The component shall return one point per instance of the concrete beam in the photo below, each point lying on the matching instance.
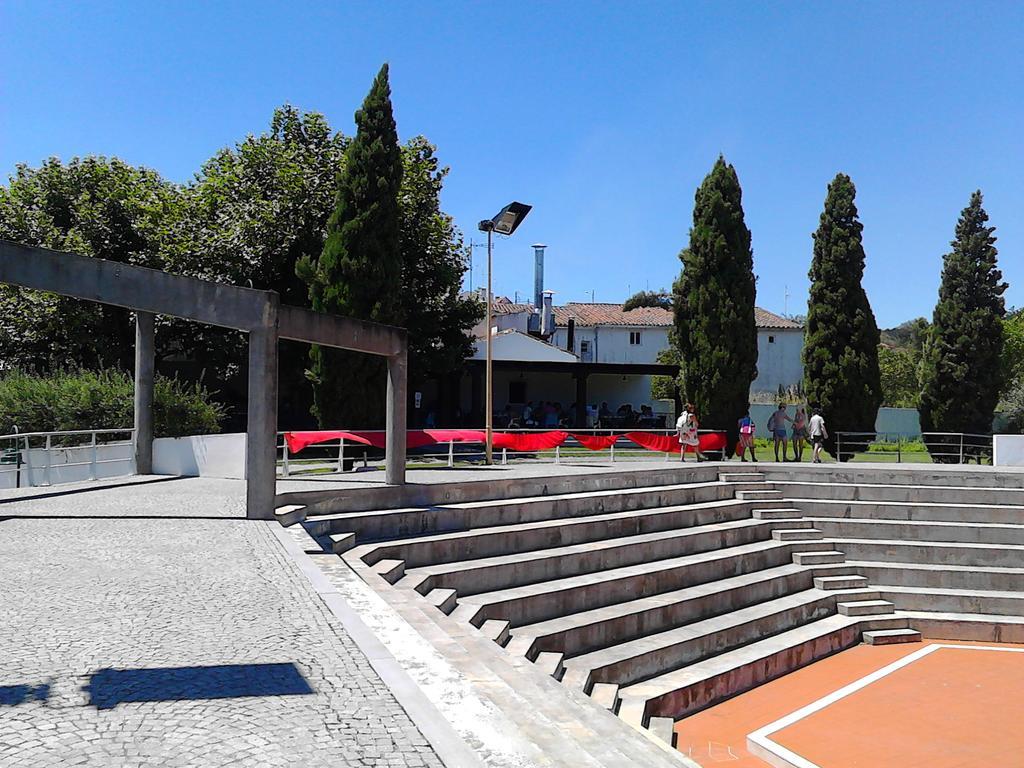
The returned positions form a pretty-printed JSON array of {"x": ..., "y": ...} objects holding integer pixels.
[
  {"x": 145, "y": 358},
  {"x": 335, "y": 331}
]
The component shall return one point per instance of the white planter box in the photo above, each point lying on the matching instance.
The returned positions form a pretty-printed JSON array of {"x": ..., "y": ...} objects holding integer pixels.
[{"x": 201, "y": 456}]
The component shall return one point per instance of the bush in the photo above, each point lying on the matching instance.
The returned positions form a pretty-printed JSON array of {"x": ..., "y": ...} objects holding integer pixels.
[{"x": 70, "y": 400}]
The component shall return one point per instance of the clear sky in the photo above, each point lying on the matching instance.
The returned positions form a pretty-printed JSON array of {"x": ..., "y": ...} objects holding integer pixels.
[{"x": 604, "y": 116}]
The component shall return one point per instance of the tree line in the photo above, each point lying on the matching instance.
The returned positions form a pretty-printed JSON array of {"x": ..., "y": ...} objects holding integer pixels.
[
  {"x": 961, "y": 365},
  {"x": 349, "y": 225}
]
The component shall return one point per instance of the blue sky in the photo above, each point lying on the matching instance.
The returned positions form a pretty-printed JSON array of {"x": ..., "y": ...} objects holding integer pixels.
[{"x": 604, "y": 116}]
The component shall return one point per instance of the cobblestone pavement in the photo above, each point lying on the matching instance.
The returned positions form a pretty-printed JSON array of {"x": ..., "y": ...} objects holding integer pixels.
[{"x": 167, "y": 642}]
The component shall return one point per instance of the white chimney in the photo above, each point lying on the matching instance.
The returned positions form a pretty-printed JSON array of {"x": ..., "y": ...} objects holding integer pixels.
[
  {"x": 547, "y": 315},
  {"x": 538, "y": 274}
]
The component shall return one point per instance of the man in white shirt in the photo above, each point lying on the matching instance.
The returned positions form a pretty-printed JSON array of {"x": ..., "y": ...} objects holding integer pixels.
[{"x": 816, "y": 427}]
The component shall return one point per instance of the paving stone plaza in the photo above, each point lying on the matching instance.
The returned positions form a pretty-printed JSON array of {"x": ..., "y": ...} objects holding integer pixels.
[{"x": 149, "y": 625}]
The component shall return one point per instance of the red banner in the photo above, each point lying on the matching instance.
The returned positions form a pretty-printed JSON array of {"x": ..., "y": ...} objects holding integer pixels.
[{"x": 526, "y": 442}]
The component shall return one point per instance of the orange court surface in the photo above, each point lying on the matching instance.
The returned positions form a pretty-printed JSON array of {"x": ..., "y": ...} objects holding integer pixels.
[{"x": 936, "y": 704}]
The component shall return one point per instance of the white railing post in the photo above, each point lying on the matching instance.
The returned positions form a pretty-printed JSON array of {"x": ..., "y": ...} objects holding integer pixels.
[
  {"x": 286, "y": 469},
  {"x": 558, "y": 455},
  {"x": 341, "y": 454},
  {"x": 451, "y": 453},
  {"x": 611, "y": 450},
  {"x": 49, "y": 462},
  {"x": 961, "y": 447},
  {"x": 92, "y": 460},
  {"x": 28, "y": 464},
  {"x": 504, "y": 455}
]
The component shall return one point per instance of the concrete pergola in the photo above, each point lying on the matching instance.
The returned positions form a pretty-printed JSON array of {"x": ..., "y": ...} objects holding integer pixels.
[{"x": 150, "y": 292}]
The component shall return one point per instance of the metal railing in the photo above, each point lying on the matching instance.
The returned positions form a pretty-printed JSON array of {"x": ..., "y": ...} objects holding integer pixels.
[
  {"x": 337, "y": 454},
  {"x": 937, "y": 447},
  {"x": 29, "y": 459}
]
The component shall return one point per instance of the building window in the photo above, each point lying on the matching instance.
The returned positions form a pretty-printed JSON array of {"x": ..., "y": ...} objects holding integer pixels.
[
  {"x": 634, "y": 337},
  {"x": 771, "y": 339},
  {"x": 585, "y": 351}
]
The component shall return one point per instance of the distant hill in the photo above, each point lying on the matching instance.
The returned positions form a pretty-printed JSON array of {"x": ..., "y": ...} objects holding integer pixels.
[{"x": 908, "y": 335}]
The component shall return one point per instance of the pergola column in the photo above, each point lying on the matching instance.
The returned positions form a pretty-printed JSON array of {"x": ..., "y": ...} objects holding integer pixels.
[
  {"x": 145, "y": 359},
  {"x": 581, "y": 400},
  {"x": 397, "y": 405},
  {"x": 261, "y": 428}
]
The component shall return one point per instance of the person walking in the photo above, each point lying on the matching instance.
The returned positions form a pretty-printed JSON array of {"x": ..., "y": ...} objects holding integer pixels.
[
  {"x": 686, "y": 429},
  {"x": 777, "y": 428},
  {"x": 747, "y": 430},
  {"x": 819, "y": 434},
  {"x": 799, "y": 432}
]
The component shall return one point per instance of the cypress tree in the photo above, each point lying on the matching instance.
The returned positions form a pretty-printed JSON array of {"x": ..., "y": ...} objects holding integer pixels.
[
  {"x": 841, "y": 344},
  {"x": 961, "y": 371},
  {"x": 359, "y": 270},
  {"x": 713, "y": 304}
]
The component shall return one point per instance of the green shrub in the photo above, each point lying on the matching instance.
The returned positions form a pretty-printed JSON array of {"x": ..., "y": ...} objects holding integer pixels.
[{"x": 70, "y": 400}]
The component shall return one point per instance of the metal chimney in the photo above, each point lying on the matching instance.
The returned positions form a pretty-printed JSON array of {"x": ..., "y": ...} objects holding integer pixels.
[{"x": 538, "y": 275}]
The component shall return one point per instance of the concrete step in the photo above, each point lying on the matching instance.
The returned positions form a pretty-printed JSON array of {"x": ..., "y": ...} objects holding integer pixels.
[
  {"x": 840, "y": 582},
  {"x": 587, "y": 631},
  {"x": 534, "y": 603},
  {"x": 504, "y": 571},
  {"x": 383, "y": 524},
  {"x": 663, "y": 728},
  {"x": 778, "y": 514},
  {"x": 631, "y": 662},
  {"x": 942, "y": 576},
  {"x": 444, "y": 600},
  {"x": 759, "y": 495},
  {"x": 493, "y": 541},
  {"x": 902, "y": 493},
  {"x": 865, "y": 608},
  {"x": 689, "y": 689},
  {"x": 741, "y": 477},
  {"x": 607, "y": 695},
  {"x": 390, "y": 570},
  {"x": 797, "y": 534},
  {"x": 931, "y": 530},
  {"x": 818, "y": 558},
  {"x": 551, "y": 664},
  {"x": 976, "y": 627},
  {"x": 947, "y": 553},
  {"x": 891, "y": 636},
  {"x": 954, "y": 600},
  {"x": 496, "y": 630},
  {"x": 290, "y": 514},
  {"x": 342, "y": 542},
  {"x": 920, "y": 475},
  {"x": 938, "y": 511}
]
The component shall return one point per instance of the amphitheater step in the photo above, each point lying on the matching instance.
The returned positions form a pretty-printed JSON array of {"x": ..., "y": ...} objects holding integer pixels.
[
  {"x": 495, "y": 541},
  {"x": 901, "y": 493},
  {"x": 954, "y": 600},
  {"x": 663, "y": 728},
  {"x": 504, "y": 571},
  {"x": 636, "y": 660},
  {"x": 551, "y": 664},
  {"x": 390, "y": 570},
  {"x": 496, "y": 630},
  {"x": 891, "y": 636},
  {"x": 920, "y": 530},
  {"x": 542, "y": 601},
  {"x": 797, "y": 534},
  {"x": 865, "y": 608},
  {"x": 818, "y": 558},
  {"x": 341, "y": 542},
  {"x": 741, "y": 477},
  {"x": 840, "y": 582},
  {"x": 942, "y": 510},
  {"x": 778, "y": 514},
  {"x": 607, "y": 695},
  {"x": 952, "y": 553},
  {"x": 586, "y": 631},
  {"x": 978, "y": 627},
  {"x": 443, "y": 599},
  {"x": 694, "y": 687},
  {"x": 768, "y": 495},
  {"x": 290, "y": 514},
  {"x": 941, "y": 575}
]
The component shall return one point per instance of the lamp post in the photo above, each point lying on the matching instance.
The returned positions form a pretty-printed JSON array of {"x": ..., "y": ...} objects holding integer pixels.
[{"x": 505, "y": 223}]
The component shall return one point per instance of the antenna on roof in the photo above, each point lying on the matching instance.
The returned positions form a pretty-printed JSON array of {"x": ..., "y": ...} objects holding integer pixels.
[
  {"x": 591, "y": 295},
  {"x": 785, "y": 301}
]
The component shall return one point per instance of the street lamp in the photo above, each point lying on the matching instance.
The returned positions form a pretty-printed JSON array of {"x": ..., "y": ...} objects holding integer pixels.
[{"x": 505, "y": 223}]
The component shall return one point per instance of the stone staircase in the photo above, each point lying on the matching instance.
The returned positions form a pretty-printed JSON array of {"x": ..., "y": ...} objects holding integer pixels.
[{"x": 655, "y": 598}]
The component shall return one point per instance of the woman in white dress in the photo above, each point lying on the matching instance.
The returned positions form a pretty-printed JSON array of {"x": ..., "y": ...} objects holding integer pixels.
[{"x": 686, "y": 429}]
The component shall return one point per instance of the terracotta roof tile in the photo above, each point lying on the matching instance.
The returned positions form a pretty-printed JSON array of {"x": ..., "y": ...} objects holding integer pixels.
[{"x": 587, "y": 314}]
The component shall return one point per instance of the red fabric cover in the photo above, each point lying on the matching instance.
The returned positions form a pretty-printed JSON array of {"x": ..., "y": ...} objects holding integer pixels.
[{"x": 525, "y": 441}]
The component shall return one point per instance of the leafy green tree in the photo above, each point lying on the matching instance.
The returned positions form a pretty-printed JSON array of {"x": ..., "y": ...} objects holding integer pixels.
[
  {"x": 434, "y": 261},
  {"x": 713, "y": 300},
  {"x": 962, "y": 366},
  {"x": 901, "y": 387},
  {"x": 93, "y": 206},
  {"x": 668, "y": 387},
  {"x": 359, "y": 271},
  {"x": 840, "y": 355},
  {"x": 1013, "y": 349},
  {"x": 647, "y": 299}
]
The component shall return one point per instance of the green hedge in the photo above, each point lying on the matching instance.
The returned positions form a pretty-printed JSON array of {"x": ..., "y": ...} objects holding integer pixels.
[{"x": 101, "y": 400}]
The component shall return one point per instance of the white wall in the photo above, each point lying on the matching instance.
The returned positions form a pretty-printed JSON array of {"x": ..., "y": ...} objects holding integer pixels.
[
  {"x": 200, "y": 456},
  {"x": 610, "y": 343},
  {"x": 778, "y": 359},
  {"x": 70, "y": 465}
]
